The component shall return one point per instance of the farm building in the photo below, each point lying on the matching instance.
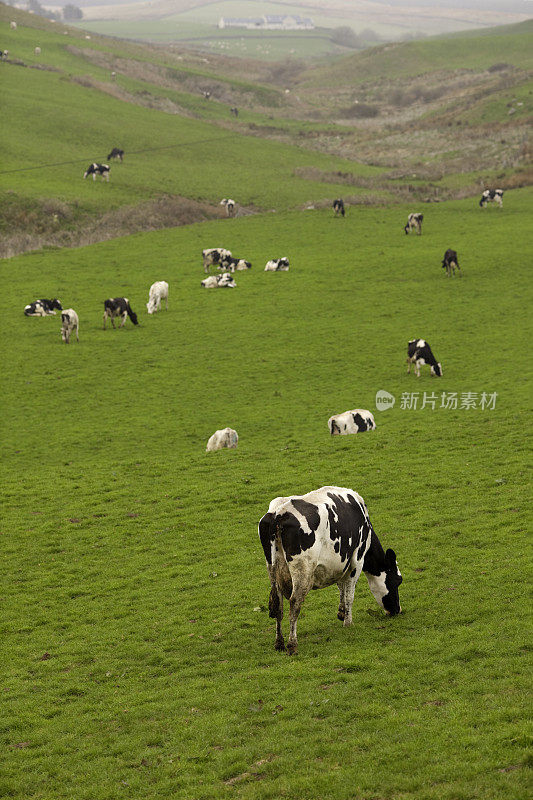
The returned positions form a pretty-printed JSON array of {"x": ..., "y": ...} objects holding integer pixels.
[{"x": 269, "y": 22}]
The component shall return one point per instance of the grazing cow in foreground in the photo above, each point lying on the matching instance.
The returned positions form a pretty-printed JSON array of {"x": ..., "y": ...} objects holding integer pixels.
[
  {"x": 116, "y": 152},
  {"x": 234, "y": 264},
  {"x": 226, "y": 437},
  {"x": 356, "y": 421},
  {"x": 98, "y": 169},
  {"x": 338, "y": 207},
  {"x": 224, "y": 281},
  {"x": 158, "y": 292},
  {"x": 69, "y": 323},
  {"x": 229, "y": 205},
  {"x": 214, "y": 255},
  {"x": 491, "y": 196},
  {"x": 418, "y": 353},
  {"x": 43, "y": 308},
  {"x": 450, "y": 263},
  {"x": 414, "y": 223},
  {"x": 317, "y": 539},
  {"x": 118, "y": 307},
  {"x": 277, "y": 265}
]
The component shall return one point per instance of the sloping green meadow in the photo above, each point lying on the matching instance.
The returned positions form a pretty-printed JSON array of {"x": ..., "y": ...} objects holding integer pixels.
[{"x": 139, "y": 658}]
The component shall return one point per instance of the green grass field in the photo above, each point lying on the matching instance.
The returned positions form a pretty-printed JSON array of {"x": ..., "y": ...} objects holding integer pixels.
[{"x": 138, "y": 652}]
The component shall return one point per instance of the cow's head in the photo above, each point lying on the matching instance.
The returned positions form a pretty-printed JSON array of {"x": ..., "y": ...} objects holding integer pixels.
[
  {"x": 437, "y": 370},
  {"x": 133, "y": 317},
  {"x": 56, "y": 304},
  {"x": 393, "y": 578}
]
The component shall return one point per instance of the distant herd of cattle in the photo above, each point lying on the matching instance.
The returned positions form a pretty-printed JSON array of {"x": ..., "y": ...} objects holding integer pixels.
[{"x": 325, "y": 536}]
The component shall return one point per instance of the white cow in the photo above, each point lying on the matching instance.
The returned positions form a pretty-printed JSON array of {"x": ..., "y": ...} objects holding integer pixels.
[
  {"x": 69, "y": 323},
  {"x": 355, "y": 421},
  {"x": 224, "y": 281},
  {"x": 158, "y": 292},
  {"x": 226, "y": 437}
]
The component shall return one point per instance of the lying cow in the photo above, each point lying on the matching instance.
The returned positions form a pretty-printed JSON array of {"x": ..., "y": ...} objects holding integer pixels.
[
  {"x": 234, "y": 264},
  {"x": 450, "y": 263},
  {"x": 491, "y": 196},
  {"x": 69, "y": 323},
  {"x": 356, "y": 421},
  {"x": 224, "y": 281},
  {"x": 418, "y": 353},
  {"x": 277, "y": 265},
  {"x": 414, "y": 223},
  {"x": 98, "y": 169},
  {"x": 214, "y": 255},
  {"x": 338, "y": 207},
  {"x": 158, "y": 292},
  {"x": 116, "y": 152},
  {"x": 317, "y": 539},
  {"x": 118, "y": 307},
  {"x": 43, "y": 308},
  {"x": 230, "y": 207},
  {"x": 226, "y": 437}
]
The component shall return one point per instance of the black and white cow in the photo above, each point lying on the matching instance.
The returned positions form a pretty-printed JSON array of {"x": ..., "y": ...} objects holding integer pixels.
[
  {"x": 158, "y": 291},
  {"x": 206, "y": 95},
  {"x": 277, "y": 265},
  {"x": 317, "y": 539},
  {"x": 214, "y": 255},
  {"x": 118, "y": 307},
  {"x": 491, "y": 196},
  {"x": 418, "y": 353},
  {"x": 450, "y": 263},
  {"x": 116, "y": 152},
  {"x": 338, "y": 206},
  {"x": 98, "y": 169},
  {"x": 414, "y": 223},
  {"x": 69, "y": 323},
  {"x": 229, "y": 206},
  {"x": 43, "y": 308},
  {"x": 356, "y": 421},
  {"x": 224, "y": 281},
  {"x": 4, "y": 55},
  {"x": 234, "y": 264},
  {"x": 235, "y": 111}
]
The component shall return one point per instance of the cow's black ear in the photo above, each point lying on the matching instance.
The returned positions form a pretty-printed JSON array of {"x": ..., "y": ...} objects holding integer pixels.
[{"x": 390, "y": 560}]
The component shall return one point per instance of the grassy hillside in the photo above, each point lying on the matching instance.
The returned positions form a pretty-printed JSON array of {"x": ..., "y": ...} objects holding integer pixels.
[
  {"x": 140, "y": 653},
  {"x": 422, "y": 132}
]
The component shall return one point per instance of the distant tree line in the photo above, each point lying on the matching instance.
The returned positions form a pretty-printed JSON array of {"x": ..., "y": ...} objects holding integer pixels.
[{"x": 71, "y": 13}]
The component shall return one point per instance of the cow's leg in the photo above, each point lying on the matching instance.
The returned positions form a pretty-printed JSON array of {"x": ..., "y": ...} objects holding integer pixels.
[
  {"x": 105, "y": 318},
  {"x": 124, "y": 315},
  {"x": 349, "y": 592},
  {"x": 77, "y": 335},
  {"x": 341, "y": 613},
  {"x": 275, "y": 609},
  {"x": 409, "y": 362},
  {"x": 301, "y": 585},
  {"x": 166, "y": 303},
  {"x": 94, "y": 176},
  {"x": 417, "y": 369}
]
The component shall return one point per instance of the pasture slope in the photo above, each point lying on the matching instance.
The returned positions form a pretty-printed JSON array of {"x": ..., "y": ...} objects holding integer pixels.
[{"x": 139, "y": 658}]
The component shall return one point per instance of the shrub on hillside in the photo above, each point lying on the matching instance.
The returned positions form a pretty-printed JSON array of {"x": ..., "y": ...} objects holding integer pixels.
[{"x": 359, "y": 111}]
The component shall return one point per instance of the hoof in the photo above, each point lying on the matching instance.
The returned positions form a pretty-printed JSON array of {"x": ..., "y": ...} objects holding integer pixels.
[
  {"x": 292, "y": 649},
  {"x": 280, "y": 644},
  {"x": 340, "y": 615}
]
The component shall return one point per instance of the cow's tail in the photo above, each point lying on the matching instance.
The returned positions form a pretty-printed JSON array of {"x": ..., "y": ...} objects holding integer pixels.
[{"x": 280, "y": 570}]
